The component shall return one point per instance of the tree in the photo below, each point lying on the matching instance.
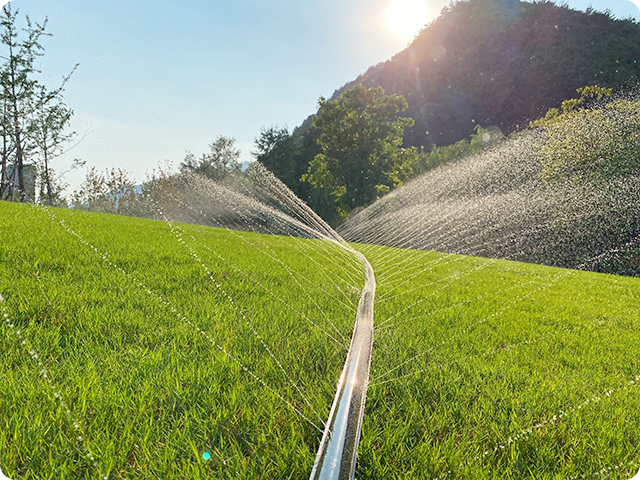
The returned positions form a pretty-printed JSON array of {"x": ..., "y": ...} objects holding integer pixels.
[
  {"x": 361, "y": 155},
  {"x": 33, "y": 118},
  {"x": 275, "y": 149},
  {"x": 221, "y": 160},
  {"x": 50, "y": 120},
  {"x": 19, "y": 87},
  {"x": 483, "y": 138},
  {"x": 110, "y": 192},
  {"x": 283, "y": 154}
]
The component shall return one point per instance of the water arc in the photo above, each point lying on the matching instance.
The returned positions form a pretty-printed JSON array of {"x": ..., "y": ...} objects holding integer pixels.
[
  {"x": 337, "y": 454},
  {"x": 277, "y": 210}
]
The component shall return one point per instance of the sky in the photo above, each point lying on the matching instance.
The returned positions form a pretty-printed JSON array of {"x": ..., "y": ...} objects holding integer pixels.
[{"x": 157, "y": 78}]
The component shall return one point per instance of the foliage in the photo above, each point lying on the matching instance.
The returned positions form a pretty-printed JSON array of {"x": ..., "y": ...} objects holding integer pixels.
[
  {"x": 51, "y": 187},
  {"x": 495, "y": 63},
  {"x": 587, "y": 94},
  {"x": 111, "y": 191},
  {"x": 279, "y": 151},
  {"x": 114, "y": 191},
  {"x": 161, "y": 185},
  {"x": 361, "y": 155},
  {"x": 216, "y": 164},
  {"x": 49, "y": 138},
  {"x": 479, "y": 141},
  {"x": 593, "y": 141},
  {"x": 11, "y": 191},
  {"x": 18, "y": 89},
  {"x": 288, "y": 155}
]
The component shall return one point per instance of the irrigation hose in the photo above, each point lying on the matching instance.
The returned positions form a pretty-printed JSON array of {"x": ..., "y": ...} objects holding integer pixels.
[{"x": 338, "y": 451}]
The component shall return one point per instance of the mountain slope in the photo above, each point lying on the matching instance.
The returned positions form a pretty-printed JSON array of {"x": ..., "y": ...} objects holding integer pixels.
[{"x": 502, "y": 63}]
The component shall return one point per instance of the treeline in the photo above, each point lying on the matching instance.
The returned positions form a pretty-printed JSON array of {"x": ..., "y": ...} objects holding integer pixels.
[
  {"x": 362, "y": 144},
  {"x": 564, "y": 192},
  {"x": 115, "y": 191},
  {"x": 495, "y": 63},
  {"x": 352, "y": 154}
]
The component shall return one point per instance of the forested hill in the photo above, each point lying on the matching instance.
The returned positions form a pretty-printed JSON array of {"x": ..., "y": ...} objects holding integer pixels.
[{"x": 502, "y": 63}]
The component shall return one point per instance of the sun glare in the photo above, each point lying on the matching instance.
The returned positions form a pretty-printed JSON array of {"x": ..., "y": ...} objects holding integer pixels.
[{"x": 405, "y": 18}]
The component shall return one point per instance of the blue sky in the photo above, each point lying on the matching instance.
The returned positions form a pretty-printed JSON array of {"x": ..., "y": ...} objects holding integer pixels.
[{"x": 157, "y": 78}]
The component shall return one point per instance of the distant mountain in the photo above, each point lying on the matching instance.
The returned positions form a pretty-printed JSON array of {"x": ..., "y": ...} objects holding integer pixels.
[{"x": 502, "y": 63}]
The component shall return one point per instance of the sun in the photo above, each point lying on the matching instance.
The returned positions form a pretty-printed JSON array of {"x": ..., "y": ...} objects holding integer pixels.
[{"x": 405, "y": 18}]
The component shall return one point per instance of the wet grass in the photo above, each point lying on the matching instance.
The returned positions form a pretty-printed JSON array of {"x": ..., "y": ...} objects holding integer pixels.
[
  {"x": 138, "y": 367},
  {"x": 496, "y": 369},
  {"x": 150, "y": 385}
]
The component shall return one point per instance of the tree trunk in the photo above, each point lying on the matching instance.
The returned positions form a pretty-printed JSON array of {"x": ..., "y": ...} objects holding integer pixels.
[
  {"x": 46, "y": 170},
  {"x": 13, "y": 184},
  {"x": 4, "y": 181},
  {"x": 16, "y": 126},
  {"x": 20, "y": 169}
]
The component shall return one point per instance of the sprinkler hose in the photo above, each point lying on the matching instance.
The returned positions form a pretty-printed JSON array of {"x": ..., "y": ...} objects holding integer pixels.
[{"x": 338, "y": 451}]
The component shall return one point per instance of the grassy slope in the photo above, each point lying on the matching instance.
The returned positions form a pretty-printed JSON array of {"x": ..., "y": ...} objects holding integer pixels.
[
  {"x": 503, "y": 349},
  {"x": 151, "y": 394}
]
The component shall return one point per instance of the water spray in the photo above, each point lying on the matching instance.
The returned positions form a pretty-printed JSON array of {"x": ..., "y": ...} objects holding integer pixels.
[{"x": 337, "y": 453}]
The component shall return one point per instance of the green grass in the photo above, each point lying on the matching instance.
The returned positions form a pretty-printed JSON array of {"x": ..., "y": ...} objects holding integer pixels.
[
  {"x": 539, "y": 342},
  {"x": 493, "y": 350}
]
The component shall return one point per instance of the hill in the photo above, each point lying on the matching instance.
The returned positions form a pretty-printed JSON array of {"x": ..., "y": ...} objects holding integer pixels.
[
  {"x": 134, "y": 348},
  {"x": 502, "y": 63}
]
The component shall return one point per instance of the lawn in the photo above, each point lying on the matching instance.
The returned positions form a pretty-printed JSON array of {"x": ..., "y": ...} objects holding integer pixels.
[
  {"x": 492, "y": 369},
  {"x": 135, "y": 348}
]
